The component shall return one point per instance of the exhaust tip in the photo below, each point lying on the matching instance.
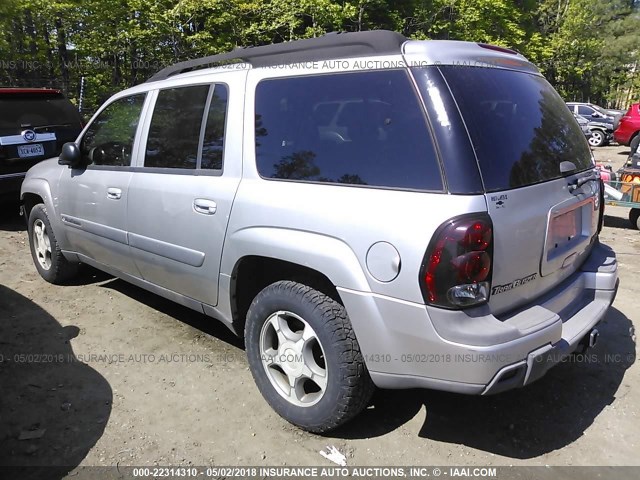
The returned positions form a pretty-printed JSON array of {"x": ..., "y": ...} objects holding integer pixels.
[{"x": 593, "y": 337}]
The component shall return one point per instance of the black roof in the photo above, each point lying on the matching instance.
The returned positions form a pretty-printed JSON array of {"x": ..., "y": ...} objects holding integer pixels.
[{"x": 327, "y": 47}]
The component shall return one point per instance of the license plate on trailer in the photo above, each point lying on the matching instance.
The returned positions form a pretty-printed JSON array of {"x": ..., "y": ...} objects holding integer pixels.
[{"x": 33, "y": 150}]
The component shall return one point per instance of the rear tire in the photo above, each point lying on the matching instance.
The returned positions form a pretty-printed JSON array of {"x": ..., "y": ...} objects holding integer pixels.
[
  {"x": 305, "y": 358},
  {"x": 634, "y": 218},
  {"x": 634, "y": 144},
  {"x": 45, "y": 251}
]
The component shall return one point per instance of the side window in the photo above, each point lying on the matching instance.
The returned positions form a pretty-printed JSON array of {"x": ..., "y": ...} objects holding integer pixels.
[
  {"x": 213, "y": 144},
  {"x": 585, "y": 111},
  {"x": 109, "y": 138},
  {"x": 174, "y": 133},
  {"x": 364, "y": 128}
]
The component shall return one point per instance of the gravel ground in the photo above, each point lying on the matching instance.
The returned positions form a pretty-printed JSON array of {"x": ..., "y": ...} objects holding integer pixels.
[{"x": 103, "y": 373}]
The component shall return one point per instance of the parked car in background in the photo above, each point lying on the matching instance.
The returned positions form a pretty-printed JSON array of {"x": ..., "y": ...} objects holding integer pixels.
[
  {"x": 350, "y": 222},
  {"x": 628, "y": 132},
  {"x": 34, "y": 124},
  {"x": 584, "y": 125},
  {"x": 617, "y": 115},
  {"x": 601, "y": 123}
]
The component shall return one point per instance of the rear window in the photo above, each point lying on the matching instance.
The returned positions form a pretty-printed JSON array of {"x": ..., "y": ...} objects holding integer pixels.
[
  {"x": 35, "y": 110},
  {"x": 363, "y": 128},
  {"x": 520, "y": 127}
]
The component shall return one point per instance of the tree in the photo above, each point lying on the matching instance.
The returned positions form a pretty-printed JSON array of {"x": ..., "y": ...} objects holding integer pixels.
[{"x": 589, "y": 50}]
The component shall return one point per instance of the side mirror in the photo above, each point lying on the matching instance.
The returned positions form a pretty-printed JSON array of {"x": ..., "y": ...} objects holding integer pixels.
[{"x": 70, "y": 155}]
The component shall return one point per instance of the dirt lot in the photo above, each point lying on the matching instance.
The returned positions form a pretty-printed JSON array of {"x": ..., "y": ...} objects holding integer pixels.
[{"x": 155, "y": 383}]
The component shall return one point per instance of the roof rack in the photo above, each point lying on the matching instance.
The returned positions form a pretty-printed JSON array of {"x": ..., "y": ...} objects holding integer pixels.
[{"x": 329, "y": 46}]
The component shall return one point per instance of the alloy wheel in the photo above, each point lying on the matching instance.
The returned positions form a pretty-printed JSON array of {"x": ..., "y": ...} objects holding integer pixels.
[
  {"x": 42, "y": 244},
  {"x": 293, "y": 358}
]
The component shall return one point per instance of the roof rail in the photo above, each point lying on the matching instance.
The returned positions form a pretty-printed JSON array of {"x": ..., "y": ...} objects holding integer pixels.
[{"x": 329, "y": 46}]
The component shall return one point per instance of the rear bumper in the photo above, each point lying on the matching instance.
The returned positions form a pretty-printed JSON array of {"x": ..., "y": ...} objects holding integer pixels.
[
  {"x": 623, "y": 133},
  {"x": 407, "y": 345}
]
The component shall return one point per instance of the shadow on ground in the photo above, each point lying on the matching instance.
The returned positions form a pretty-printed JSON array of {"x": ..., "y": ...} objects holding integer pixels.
[
  {"x": 185, "y": 315},
  {"x": 525, "y": 423},
  {"x": 53, "y": 409},
  {"x": 617, "y": 222},
  {"x": 10, "y": 219},
  {"x": 87, "y": 276}
]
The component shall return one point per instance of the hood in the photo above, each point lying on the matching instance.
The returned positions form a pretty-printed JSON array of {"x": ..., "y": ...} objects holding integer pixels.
[
  {"x": 602, "y": 123},
  {"x": 43, "y": 169}
]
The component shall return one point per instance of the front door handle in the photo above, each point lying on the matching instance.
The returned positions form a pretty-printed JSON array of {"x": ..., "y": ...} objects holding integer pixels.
[
  {"x": 114, "y": 193},
  {"x": 204, "y": 206}
]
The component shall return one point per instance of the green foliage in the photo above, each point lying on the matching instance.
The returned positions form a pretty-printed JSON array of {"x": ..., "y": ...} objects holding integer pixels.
[
  {"x": 595, "y": 49},
  {"x": 590, "y": 50}
]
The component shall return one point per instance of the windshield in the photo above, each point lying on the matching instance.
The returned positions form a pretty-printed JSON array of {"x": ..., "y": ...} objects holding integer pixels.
[
  {"x": 520, "y": 128},
  {"x": 36, "y": 110},
  {"x": 601, "y": 110}
]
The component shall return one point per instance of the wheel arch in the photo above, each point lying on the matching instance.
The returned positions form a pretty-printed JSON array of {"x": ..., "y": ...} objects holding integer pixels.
[
  {"x": 262, "y": 256},
  {"x": 34, "y": 191},
  {"x": 38, "y": 190},
  {"x": 29, "y": 200}
]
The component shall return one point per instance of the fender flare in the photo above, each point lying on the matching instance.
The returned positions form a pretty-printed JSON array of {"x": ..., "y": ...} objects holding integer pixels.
[
  {"x": 328, "y": 255},
  {"x": 40, "y": 186}
]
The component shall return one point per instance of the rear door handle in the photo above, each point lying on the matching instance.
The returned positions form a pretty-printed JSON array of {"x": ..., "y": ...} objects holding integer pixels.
[
  {"x": 204, "y": 206},
  {"x": 114, "y": 193}
]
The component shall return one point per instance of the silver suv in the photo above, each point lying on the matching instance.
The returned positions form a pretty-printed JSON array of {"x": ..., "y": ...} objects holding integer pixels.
[{"x": 364, "y": 209}]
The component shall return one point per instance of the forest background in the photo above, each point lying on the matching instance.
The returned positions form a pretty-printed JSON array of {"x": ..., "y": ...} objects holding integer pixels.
[{"x": 588, "y": 49}]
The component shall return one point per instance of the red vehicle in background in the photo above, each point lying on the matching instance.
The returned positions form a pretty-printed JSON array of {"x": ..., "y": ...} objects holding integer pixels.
[{"x": 628, "y": 131}]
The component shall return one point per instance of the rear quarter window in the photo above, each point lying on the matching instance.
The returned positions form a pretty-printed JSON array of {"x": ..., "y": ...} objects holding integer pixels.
[
  {"x": 363, "y": 128},
  {"x": 520, "y": 128}
]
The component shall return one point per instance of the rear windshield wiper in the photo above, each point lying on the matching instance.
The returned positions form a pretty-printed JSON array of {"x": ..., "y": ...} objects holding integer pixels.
[
  {"x": 594, "y": 177},
  {"x": 41, "y": 127}
]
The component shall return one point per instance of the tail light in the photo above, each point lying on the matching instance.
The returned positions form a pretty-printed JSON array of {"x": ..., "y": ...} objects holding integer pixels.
[{"x": 456, "y": 270}]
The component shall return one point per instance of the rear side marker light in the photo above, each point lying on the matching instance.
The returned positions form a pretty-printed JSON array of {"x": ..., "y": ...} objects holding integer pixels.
[{"x": 456, "y": 270}]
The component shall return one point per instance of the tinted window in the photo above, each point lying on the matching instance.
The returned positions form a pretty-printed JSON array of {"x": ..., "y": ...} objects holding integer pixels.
[
  {"x": 364, "y": 128},
  {"x": 582, "y": 110},
  {"x": 174, "y": 133},
  {"x": 213, "y": 145},
  {"x": 33, "y": 110},
  {"x": 109, "y": 138},
  {"x": 520, "y": 127}
]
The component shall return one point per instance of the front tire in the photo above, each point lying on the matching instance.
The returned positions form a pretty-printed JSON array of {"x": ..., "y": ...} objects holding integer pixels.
[
  {"x": 45, "y": 251},
  {"x": 305, "y": 358},
  {"x": 597, "y": 139}
]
